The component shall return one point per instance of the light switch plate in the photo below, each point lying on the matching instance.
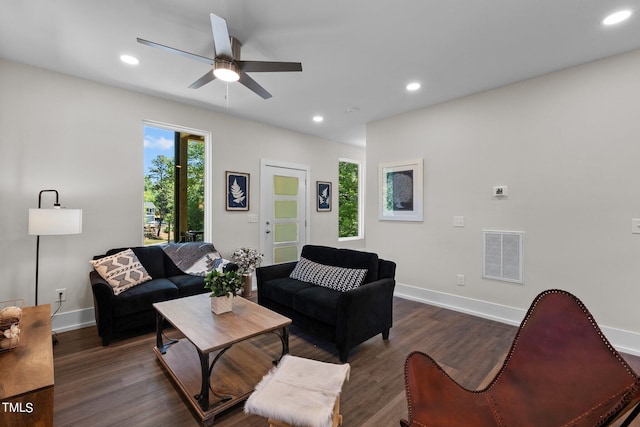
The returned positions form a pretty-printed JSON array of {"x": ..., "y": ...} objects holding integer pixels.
[
  {"x": 253, "y": 218},
  {"x": 458, "y": 221},
  {"x": 635, "y": 226}
]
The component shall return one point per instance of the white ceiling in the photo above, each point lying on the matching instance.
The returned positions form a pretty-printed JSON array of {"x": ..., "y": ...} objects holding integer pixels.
[{"x": 354, "y": 53}]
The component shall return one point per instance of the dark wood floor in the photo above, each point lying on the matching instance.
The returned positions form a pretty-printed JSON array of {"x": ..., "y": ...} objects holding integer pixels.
[{"x": 124, "y": 385}]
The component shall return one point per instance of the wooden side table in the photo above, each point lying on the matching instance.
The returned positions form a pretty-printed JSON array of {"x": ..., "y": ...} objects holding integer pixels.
[{"x": 26, "y": 382}]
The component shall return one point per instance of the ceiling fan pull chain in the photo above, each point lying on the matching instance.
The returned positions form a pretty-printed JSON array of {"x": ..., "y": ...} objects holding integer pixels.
[{"x": 227, "y": 96}]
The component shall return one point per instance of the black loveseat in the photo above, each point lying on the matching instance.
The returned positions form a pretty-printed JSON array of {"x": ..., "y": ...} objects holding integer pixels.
[
  {"x": 132, "y": 310},
  {"x": 344, "y": 317}
]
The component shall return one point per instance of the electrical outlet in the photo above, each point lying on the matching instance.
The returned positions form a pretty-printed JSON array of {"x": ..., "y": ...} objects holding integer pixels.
[
  {"x": 460, "y": 281},
  {"x": 61, "y": 295}
]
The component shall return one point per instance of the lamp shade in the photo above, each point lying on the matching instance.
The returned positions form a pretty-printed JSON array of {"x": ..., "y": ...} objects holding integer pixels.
[{"x": 48, "y": 222}]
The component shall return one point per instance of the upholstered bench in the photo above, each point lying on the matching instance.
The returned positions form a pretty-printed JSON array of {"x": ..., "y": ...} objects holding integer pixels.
[{"x": 300, "y": 392}]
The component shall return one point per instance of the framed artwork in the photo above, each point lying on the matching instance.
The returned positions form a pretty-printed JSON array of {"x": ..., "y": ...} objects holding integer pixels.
[
  {"x": 237, "y": 191},
  {"x": 401, "y": 193},
  {"x": 323, "y": 192}
]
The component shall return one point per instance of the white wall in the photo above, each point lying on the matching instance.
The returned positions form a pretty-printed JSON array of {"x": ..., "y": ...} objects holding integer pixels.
[
  {"x": 567, "y": 145},
  {"x": 85, "y": 140}
]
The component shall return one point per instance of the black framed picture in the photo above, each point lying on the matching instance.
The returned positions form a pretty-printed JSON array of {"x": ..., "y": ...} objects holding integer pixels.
[
  {"x": 237, "y": 191},
  {"x": 323, "y": 192}
]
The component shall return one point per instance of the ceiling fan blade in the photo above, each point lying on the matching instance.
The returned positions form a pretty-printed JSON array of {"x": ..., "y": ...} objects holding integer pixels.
[
  {"x": 268, "y": 66},
  {"x": 178, "y": 51},
  {"x": 254, "y": 86},
  {"x": 203, "y": 80},
  {"x": 221, "y": 40}
]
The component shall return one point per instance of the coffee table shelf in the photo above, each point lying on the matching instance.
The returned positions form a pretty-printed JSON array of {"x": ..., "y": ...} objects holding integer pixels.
[{"x": 219, "y": 361}]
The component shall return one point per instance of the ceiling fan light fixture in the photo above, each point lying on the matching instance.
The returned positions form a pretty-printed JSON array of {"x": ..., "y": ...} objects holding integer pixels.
[
  {"x": 226, "y": 64},
  {"x": 226, "y": 71}
]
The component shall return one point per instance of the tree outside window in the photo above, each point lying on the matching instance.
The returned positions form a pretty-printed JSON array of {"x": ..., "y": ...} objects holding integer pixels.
[
  {"x": 160, "y": 180},
  {"x": 195, "y": 186},
  {"x": 349, "y": 221}
]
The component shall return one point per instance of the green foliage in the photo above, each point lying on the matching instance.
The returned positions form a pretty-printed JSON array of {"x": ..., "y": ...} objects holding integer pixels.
[
  {"x": 148, "y": 191},
  {"x": 223, "y": 284},
  {"x": 195, "y": 186},
  {"x": 159, "y": 187},
  {"x": 161, "y": 178},
  {"x": 348, "y": 199}
]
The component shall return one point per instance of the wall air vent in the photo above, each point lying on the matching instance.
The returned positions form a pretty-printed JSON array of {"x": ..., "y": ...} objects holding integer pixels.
[{"x": 502, "y": 255}]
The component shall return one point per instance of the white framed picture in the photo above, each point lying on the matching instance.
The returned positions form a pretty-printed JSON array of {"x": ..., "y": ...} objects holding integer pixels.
[{"x": 401, "y": 191}]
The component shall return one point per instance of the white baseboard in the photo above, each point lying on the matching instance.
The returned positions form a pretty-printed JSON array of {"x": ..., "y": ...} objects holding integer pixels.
[
  {"x": 624, "y": 341},
  {"x": 71, "y": 320}
]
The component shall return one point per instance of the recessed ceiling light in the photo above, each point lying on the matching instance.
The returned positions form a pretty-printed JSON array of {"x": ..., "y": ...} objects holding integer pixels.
[
  {"x": 413, "y": 86},
  {"x": 617, "y": 17},
  {"x": 318, "y": 119},
  {"x": 128, "y": 59}
]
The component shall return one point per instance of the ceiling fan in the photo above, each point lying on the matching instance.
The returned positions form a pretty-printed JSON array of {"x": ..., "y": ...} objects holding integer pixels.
[{"x": 227, "y": 65}]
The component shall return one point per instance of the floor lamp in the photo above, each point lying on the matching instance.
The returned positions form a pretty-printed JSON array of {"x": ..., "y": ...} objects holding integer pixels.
[{"x": 52, "y": 221}]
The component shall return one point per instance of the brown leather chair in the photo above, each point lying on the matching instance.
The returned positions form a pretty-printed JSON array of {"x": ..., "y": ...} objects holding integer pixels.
[{"x": 560, "y": 371}]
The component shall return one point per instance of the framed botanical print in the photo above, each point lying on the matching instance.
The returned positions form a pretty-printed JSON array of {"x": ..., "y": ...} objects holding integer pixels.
[
  {"x": 237, "y": 191},
  {"x": 323, "y": 193},
  {"x": 401, "y": 193}
]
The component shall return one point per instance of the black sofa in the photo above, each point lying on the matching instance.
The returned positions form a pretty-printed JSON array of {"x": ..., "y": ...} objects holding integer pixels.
[
  {"x": 132, "y": 310},
  {"x": 346, "y": 318}
]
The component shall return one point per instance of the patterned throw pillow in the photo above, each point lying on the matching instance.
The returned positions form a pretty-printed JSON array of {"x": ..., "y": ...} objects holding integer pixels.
[
  {"x": 122, "y": 270},
  {"x": 337, "y": 278}
]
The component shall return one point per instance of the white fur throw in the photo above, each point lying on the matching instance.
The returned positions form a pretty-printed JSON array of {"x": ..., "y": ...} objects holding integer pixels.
[{"x": 301, "y": 392}]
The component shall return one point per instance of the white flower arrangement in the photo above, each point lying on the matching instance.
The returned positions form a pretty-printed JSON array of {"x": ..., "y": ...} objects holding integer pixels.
[{"x": 247, "y": 259}]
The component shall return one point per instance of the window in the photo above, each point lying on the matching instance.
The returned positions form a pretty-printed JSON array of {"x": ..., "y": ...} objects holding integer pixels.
[
  {"x": 174, "y": 169},
  {"x": 349, "y": 199}
]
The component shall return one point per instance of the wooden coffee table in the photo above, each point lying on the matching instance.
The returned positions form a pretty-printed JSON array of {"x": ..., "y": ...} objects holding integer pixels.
[
  {"x": 27, "y": 380},
  {"x": 190, "y": 360}
]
